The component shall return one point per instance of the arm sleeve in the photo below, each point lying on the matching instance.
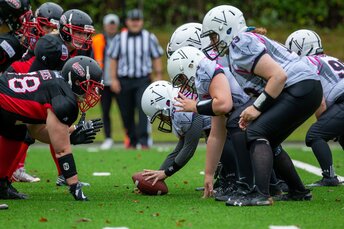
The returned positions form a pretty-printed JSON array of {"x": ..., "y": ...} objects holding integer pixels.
[{"x": 186, "y": 147}]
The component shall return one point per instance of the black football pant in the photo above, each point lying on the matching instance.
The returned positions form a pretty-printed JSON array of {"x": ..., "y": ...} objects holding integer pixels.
[
  {"x": 329, "y": 126},
  {"x": 129, "y": 102},
  {"x": 292, "y": 107}
]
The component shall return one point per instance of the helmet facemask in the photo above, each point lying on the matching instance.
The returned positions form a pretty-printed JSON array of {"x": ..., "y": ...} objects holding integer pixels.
[
  {"x": 164, "y": 115},
  {"x": 88, "y": 91},
  {"x": 79, "y": 41},
  {"x": 186, "y": 85},
  {"x": 216, "y": 47}
]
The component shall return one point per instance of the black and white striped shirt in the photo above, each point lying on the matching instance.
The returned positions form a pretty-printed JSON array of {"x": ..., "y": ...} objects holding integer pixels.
[{"x": 134, "y": 53}]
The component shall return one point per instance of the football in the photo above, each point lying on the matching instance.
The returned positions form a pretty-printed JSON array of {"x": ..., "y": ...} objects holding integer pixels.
[{"x": 146, "y": 187}]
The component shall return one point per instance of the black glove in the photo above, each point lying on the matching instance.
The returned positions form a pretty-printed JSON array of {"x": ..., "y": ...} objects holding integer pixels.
[
  {"x": 75, "y": 190},
  {"x": 85, "y": 131}
]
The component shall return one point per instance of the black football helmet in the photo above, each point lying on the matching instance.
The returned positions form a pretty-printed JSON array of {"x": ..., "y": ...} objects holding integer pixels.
[
  {"x": 14, "y": 13},
  {"x": 73, "y": 23},
  {"x": 84, "y": 76},
  {"x": 46, "y": 19}
]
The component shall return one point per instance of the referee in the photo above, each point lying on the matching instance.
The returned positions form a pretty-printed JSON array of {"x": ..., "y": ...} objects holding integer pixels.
[{"x": 133, "y": 53}]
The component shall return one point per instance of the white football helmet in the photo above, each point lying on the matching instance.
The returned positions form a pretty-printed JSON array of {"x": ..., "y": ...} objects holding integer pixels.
[
  {"x": 304, "y": 42},
  {"x": 182, "y": 67},
  {"x": 188, "y": 34},
  {"x": 222, "y": 24},
  {"x": 157, "y": 102}
]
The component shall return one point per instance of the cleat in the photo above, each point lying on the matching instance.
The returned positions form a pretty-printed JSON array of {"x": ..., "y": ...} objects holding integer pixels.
[
  {"x": 7, "y": 191},
  {"x": 297, "y": 195},
  {"x": 20, "y": 175},
  {"x": 61, "y": 181},
  {"x": 107, "y": 144},
  {"x": 251, "y": 199},
  {"x": 326, "y": 181}
]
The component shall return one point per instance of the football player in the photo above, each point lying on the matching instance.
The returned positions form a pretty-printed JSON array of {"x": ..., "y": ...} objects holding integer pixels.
[
  {"x": 45, "y": 20},
  {"x": 52, "y": 50},
  {"x": 290, "y": 93},
  {"x": 329, "y": 124},
  {"x": 48, "y": 103},
  {"x": 13, "y": 14}
]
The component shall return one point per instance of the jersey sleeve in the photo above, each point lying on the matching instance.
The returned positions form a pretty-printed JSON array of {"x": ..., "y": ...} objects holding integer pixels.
[
  {"x": 246, "y": 50},
  {"x": 50, "y": 54},
  {"x": 10, "y": 50},
  {"x": 206, "y": 71},
  {"x": 65, "y": 109}
]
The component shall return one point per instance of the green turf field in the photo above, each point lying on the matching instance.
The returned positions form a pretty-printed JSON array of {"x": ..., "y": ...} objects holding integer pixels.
[{"x": 113, "y": 202}]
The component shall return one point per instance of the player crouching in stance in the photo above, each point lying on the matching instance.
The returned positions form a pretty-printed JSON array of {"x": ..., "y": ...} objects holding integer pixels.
[
  {"x": 48, "y": 103},
  {"x": 329, "y": 124}
]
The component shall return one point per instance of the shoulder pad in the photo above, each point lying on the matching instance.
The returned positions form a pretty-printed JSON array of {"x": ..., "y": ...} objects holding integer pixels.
[{"x": 65, "y": 108}]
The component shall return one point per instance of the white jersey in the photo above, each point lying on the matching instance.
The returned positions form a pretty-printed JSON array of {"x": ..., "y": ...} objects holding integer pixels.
[
  {"x": 331, "y": 72},
  {"x": 182, "y": 121},
  {"x": 204, "y": 75},
  {"x": 247, "y": 48}
]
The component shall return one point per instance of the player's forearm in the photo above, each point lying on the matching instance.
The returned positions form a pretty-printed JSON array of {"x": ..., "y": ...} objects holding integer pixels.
[{"x": 215, "y": 144}]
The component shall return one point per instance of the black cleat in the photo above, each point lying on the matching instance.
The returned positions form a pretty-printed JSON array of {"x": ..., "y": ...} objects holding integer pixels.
[
  {"x": 251, "y": 199},
  {"x": 295, "y": 195},
  {"x": 326, "y": 181},
  {"x": 7, "y": 191},
  {"x": 223, "y": 192}
]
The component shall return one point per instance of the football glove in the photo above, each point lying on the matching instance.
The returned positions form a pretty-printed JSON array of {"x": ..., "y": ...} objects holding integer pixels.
[
  {"x": 75, "y": 190},
  {"x": 85, "y": 131}
]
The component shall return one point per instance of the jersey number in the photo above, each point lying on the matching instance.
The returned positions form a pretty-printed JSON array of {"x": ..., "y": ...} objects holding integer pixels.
[
  {"x": 25, "y": 84},
  {"x": 338, "y": 67}
]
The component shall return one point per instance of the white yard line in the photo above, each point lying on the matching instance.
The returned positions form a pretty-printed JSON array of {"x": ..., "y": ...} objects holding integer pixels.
[{"x": 311, "y": 169}]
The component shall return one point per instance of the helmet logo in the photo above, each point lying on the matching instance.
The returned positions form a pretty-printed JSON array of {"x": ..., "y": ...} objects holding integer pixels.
[
  {"x": 14, "y": 3},
  {"x": 196, "y": 41},
  {"x": 89, "y": 28},
  {"x": 78, "y": 69},
  {"x": 182, "y": 55},
  {"x": 63, "y": 19},
  {"x": 157, "y": 99},
  {"x": 222, "y": 20}
]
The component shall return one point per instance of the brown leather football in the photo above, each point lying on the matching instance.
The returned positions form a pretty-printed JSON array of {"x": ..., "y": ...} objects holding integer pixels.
[{"x": 146, "y": 187}]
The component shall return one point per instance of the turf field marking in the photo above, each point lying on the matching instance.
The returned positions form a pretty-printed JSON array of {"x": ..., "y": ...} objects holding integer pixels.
[
  {"x": 311, "y": 169},
  {"x": 101, "y": 174}
]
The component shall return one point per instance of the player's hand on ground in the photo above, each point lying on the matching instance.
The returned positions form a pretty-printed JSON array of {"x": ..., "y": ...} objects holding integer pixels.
[
  {"x": 185, "y": 104},
  {"x": 116, "y": 86},
  {"x": 76, "y": 191},
  {"x": 248, "y": 115},
  {"x": 208, "y": 186},
  {"x": 154, "y": 175}
]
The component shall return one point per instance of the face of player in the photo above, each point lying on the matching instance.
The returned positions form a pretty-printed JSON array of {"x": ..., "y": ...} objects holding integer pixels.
[{"x": 79, "y": 38}]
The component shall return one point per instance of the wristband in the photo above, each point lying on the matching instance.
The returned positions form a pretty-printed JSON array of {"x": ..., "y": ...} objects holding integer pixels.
[
  {"x": 205, "y": 107},
  {"x": 67, "y": 165},
  {"x": 263, "y": 102},
  {"x": 172, "y": 169}
]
